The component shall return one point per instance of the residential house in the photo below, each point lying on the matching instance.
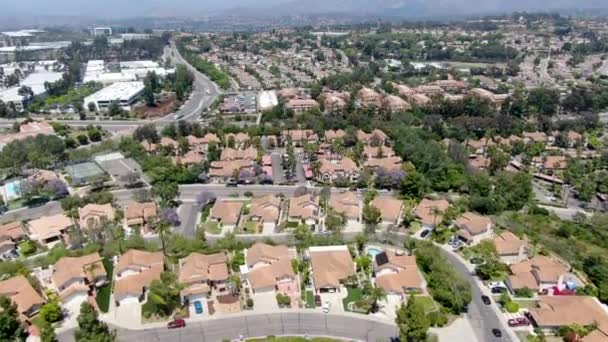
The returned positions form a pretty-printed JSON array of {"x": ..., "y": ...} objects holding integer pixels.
[
  {"x": 240, "y": 140},
  {"x": 549, "y": 164},
  {"x": 201, "y": 274},
  {"x": 335, "y": 102},
  {"x": 539, "y": 273},
  {"x": 600, "y": 334},
  {"x": 535, "y": 137},
  {"x": 331, "y": 135},
  {"x": 94, "y": 215},
  {"x": 299, "y": 106},
  {"x": 394, "y": 104},
  {"x": 331, "y": 267},
  {"x": 75, "y": 278},
  {"x": 495, "y": 100},
  {"x": 299, "y": 137},
  {"x": 397, "y": 273},
  {"x": 43, "y": 176},
  {"x": 342, "y": 168},
  {"x": 189, "y": 158},
  {"x": 419, "y": 100},
  {"x": 368, "y": 97},
  {"x": 304, "y": 209},
  {"x": 473, "y": 228},
  {"x": 451, "y": 86},
  {"x": 378, "y": 152},
  {"x": 227, "y": 213},
  {"x": 266, "y": 210},
  {"x": 223, "y": 170},
  {"x": 149, "y": 146},
  {"x": 511, "y": 249},
  {"x": 430, "y": 212},
  {"x": 135, "y": 272},
  {"x": 554, "y": 312},
  {"x": 391, "y": 209},
  {"x": 140, "y": 214},
  {"x": 348, "y": 204},
  {"x": 50, "y": 230},
  {"x": 269, "y": 269},
  {"x": 169, "y": 143},
  {"x": 375, "y": 138},
  {"x": 23, "y": 295},
  {"x": 479, "y": 163},
  {"x": 385, "y": 163},
  {"x": 230, "y": 154},
  {"x": 429, "y": 90},
  {"x": 10, "y": 235}
]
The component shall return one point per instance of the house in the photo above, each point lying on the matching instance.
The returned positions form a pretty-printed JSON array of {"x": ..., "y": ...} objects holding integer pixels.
[
  {"x": 429, "y": 90},
  {"x": 209, "y": 138},
  {"x": 188, "y": 159},
  {"x": 269, "y": 269},
  {"x": 368, "y": 97},
  {"x": 404, "y": 91},
  {"x": 135, "y": 272},
  {"x": 451, "y": 86},
  {"x": 200, "y": 274},
  {"x": 74, "y": 278},
  {"x": 43, "y": 176},
  {"x": 539, "y": 273},
  {"x": 10, "y": 234},
  {"x": 375, "y": 138},
  {"x": 334, "y": 102},
  {"x": 378, "y": 152},
  {"x": 226, "y": 213},
  {"x": 331, "y": 135},
  {"x": 223, "y": 170},
  {"x": 299, "y": 106},
  {"x": 395, "y": 104},
  {"x": 230, "y": 154},
  {"x": 346, "y": 203},
  {"x": 94, "y": 215},
  {"x": 240, "y": 140},
  {"x": 304, "y": 209},
  {"x": 149, "y": 146},
  {"x": 397, "y": 274},
  {"x": 479, "y": 162},
  {"x": 535, "y": 137},
  {"x": 50, "y": 230},
  {"x": 511, "y": 249},
  {"x": 299, "y": 137},
  {"x": 495, "y": 100},
  {"x": 140, "y": 214},
  {"x": 554, "y": 312},
  {"x": 548, "y": 164},
  {"x": 266, "y": 210},
  {"x": 342, "y": 168},
  {"x": 390, "y": 209},
  {"x": 430, "y": 212},
  {"x": 473, "y": 228},
  {"x": 385, "y": 163},
  {"x": 22, "y": 294},
  {"x": 419, "y": 100},
  {"x": 169, "y": 143},
  {"x": 331, "y": 267}
]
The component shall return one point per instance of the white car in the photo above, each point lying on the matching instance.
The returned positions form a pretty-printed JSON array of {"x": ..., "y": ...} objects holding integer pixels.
[
  {"x": 494, "y": 284},
  {"x": 326, "y": 306}
]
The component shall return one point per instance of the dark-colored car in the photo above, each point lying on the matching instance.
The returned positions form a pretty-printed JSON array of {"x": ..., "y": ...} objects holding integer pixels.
[
  {"x": 518, "y": 322},
  {"x": 424, "y": 233},
  {"x": 232, "y": 183},
  {"x": 496, "y": 332},
  {"x": 318, "y": 300},
  {"x": 486, "y": 300},
  {"x": 177, "y": 323},
  {"x": 499, "y": 290}
]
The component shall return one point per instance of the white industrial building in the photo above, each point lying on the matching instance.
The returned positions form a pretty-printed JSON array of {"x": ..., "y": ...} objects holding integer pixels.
[
  {"x": 130, "y": 71},
  {"x": 267, "y": 100},
  {"x": 34, "y": 81},
  {"x": 124, "y": 93}
]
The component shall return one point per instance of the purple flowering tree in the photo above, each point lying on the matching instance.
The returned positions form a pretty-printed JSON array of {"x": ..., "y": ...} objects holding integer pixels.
[
  {"x": 57, "y": 188},
  {"x": 205, "y": 197},
  {"x": 169, "y": 215},
  {"x": 246, "y": 176},
  {"x": 389, "y": 179}
]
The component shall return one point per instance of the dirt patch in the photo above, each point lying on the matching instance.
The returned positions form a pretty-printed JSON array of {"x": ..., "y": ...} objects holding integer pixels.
[{"x": 164, "y": 106}]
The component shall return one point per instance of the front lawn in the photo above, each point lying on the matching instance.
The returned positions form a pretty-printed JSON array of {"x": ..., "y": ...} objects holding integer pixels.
[
  {"x": 212, "y": 227},
  {"x": 428, "y": 303},
  {"x": 354, "y": 294},
  {"x": 310, "y": 300},
  {"x": 249, "y": 227}
]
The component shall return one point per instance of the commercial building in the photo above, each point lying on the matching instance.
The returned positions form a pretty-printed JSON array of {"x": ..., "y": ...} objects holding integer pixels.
[
  {"x": 124, "y": 94},
  {"x": 35, "y": 82}
]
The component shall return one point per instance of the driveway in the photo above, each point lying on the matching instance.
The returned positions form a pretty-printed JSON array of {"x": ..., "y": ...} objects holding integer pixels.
[
  {"x": 188, "y": 215},
  {"x": 265, "y": 301},
  {"x": 128, "y": 311},
  {"x": 277, "y": 168},
  {"x": 335, "y": 299}
]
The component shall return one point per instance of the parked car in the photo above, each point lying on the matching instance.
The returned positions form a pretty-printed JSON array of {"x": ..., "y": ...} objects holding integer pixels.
[
  {"x": 518, "y": 322},
  {"x": 496, "y": 332},
  {"x": 486, "y": 300},
  {"x": 424, "y": 233},
  {"x": 495, "y": 284},
  {"x": 326, "y": 306},
  {"x": 232, "y": 183},
  {"x": 198, "y": 307},
  {"x": 177, "y": 323},
  {"x": 318, "y": 300},
  {"x": 499, "y": 290}
]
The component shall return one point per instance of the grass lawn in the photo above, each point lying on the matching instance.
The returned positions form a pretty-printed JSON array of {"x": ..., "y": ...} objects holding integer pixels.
[
  {"x": 310, "y": 300},
  {"x": 212, "y": 227},
  {"x": 428, "y": 303},
  {"x": 103, "y": 293},
  {"x": 526, "y": 304},
  {"x": 38, "y": 321},
  {"x": 249, "y": 227},
  {"x": 206, "y": 211},
  {"x": 16, "y": 204},
  {"x": 354, "y": 294}
]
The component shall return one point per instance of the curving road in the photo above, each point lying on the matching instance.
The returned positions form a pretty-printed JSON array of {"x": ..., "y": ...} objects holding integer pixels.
[{"x": 296, "y": 322}]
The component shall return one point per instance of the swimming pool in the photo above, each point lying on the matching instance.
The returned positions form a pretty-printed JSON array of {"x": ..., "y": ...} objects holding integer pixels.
[
  {"x": 372, "y": 251},
  {"x": 12, "y": 190}
]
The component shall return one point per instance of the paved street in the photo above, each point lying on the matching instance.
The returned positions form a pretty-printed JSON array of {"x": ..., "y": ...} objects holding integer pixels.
[
  {"x": 50, "y": 208},
  {"x": 351, "y": 326},
  {"x": 188, "y": 213},
  {"x": 277, "y": 168}
]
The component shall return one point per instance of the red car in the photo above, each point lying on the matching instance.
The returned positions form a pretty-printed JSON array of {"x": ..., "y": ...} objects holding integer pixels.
[
  {"x": 178, "y": 323},
  {"x": 518, "y": 322},
  {"x": 317, "y": 300}
]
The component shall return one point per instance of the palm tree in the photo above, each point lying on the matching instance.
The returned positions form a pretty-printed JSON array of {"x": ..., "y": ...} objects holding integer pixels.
[
  {"x": 161, "y": 228},
  {"x": 376, "y": 294},
  {"x": 436, "y": 212}
]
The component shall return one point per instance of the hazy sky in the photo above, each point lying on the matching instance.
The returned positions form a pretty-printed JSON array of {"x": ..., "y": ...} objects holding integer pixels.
[{"x": 130, "y": 8}]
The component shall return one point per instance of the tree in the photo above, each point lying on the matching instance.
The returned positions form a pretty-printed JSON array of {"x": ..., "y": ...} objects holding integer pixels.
[
  {"x": 164, "y": 294},
  {"x": 90, "y": 328},
  {"x": 375, "y": 295},
  {"x": 412, "y": 321},
  {"x": 165, "y": 190},
  {"x": 51, "y": 311},
  {"x": 47, "y": 333},
  {"x": 10, "y": 328}
]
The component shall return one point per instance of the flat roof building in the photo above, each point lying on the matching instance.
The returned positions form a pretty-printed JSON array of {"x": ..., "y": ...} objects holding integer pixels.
[{"x": 125, "y": 93}]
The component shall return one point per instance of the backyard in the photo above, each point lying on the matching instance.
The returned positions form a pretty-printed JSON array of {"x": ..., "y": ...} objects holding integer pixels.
[
  {"x": 103, "y": 293},
  {"x": 212, "y": 227}
]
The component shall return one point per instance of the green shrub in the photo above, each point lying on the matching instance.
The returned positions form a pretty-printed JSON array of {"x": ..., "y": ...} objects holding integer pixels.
[
  {"x": 28, "y": 247},
  {"x": 442, "y": 320},
  {"x": 512, "y": 307},
  {"x": 249, "y": 303}
]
